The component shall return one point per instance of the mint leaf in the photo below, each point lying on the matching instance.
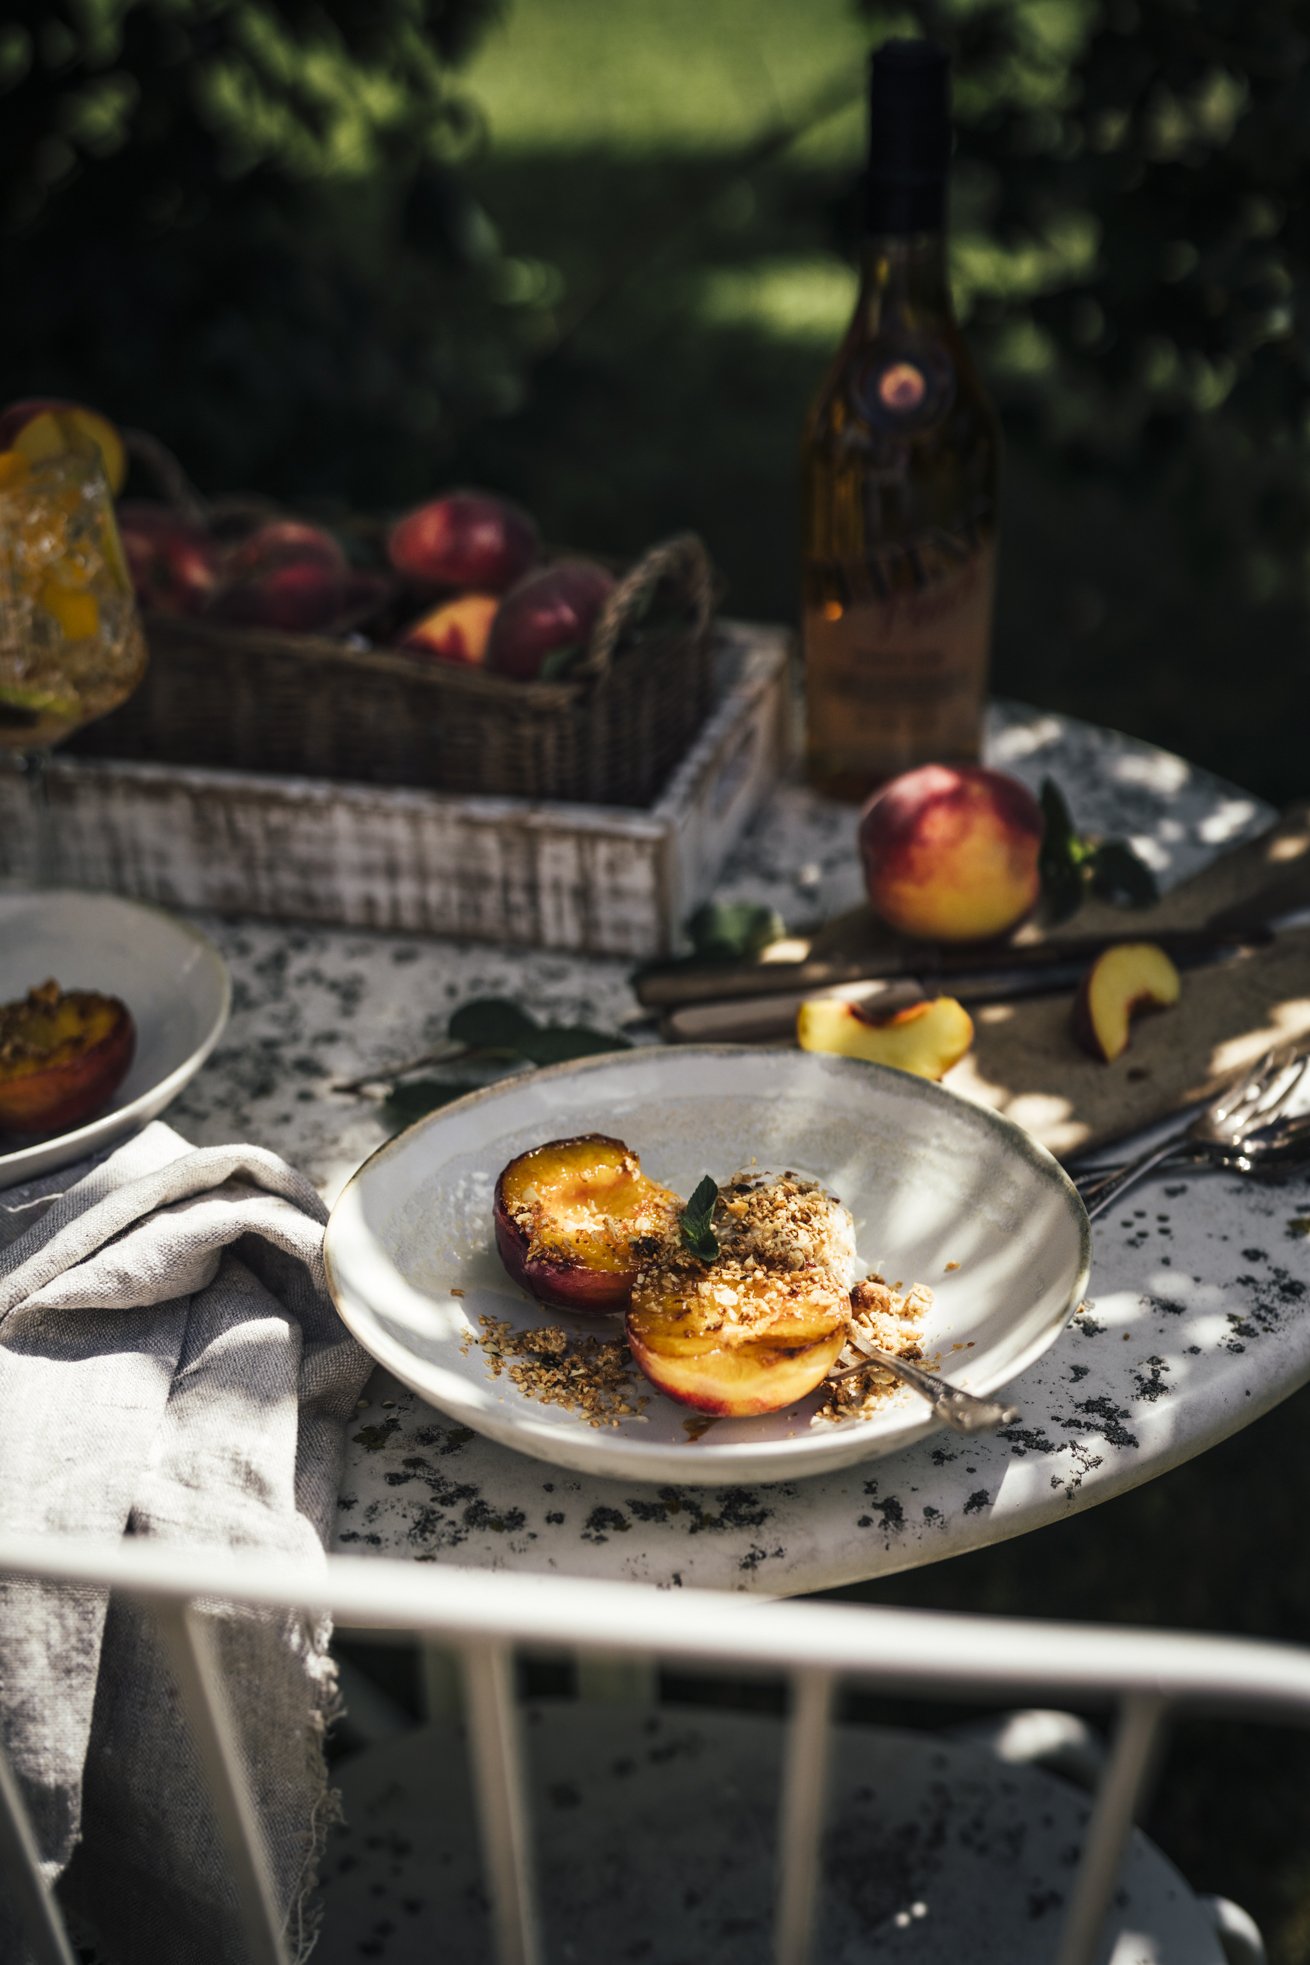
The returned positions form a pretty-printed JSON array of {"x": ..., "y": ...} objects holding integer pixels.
[
  {"x": 1062, "y": 857},
  {"x": 1069, "y": 864},
  {"x": 1118, "y": 874},
  {"x": 696, "y": 1221}
]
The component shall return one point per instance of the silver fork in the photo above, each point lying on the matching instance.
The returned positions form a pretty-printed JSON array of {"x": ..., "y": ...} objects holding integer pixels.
[
  {"x": 963, "y": 1412},
  {"x": 1242, "y": 1109}
]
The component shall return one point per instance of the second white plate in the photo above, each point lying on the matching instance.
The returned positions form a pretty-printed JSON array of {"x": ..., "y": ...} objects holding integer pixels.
[
  {"x": 171, "y": 978},
  {"x": 930, "y": 1180}
]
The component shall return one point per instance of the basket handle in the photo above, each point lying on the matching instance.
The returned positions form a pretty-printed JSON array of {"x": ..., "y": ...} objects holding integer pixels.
[{"x": 683, "y": 559}]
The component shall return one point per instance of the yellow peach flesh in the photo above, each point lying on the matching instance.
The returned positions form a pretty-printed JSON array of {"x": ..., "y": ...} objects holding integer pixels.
[
  {"x": 923, "y": 1038},
  {"x": 1122, "y": 984},
  {"x": 952, "y": 854},
  {"x": 734, "y": 1344}
]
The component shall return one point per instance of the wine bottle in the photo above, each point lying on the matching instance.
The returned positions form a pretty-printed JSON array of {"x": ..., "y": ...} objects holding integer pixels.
[{"x": 901, "y": 458}]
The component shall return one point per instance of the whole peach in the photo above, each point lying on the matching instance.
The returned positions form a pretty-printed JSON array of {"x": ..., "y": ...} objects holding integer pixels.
[
  {"x": 951, "y": 852},
  {"x": 457, "y": 631},
  {"x": 299, "y": 596},
  {"x": 279, "y": 542},
  {"x": 173, "y": 562},
  {"x": 548, "y": 613},
  {"x": 466, "y": 539}
]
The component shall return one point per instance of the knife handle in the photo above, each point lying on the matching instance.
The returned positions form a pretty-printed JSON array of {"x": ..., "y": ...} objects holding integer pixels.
[{"x": 772, "y": 1019}]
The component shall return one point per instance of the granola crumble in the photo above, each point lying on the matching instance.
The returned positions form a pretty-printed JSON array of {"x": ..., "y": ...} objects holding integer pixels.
[
  {"x": 589, "y": 1376},
  {"x": 888, "y": 1316}
]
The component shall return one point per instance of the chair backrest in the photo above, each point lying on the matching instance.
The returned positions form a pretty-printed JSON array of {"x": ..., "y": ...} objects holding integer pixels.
[{"x": 487, "y": 1618}]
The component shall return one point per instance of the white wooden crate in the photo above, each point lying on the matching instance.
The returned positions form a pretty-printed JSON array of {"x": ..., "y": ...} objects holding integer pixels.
[{"x": 604, "y": 880}]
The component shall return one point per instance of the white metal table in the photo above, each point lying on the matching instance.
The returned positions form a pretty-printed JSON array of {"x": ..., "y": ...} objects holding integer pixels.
[{"x": 1195, "y": 1323}]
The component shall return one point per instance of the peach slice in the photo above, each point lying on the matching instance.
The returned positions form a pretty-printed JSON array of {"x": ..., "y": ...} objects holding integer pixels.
[
  {"x": 1123, "y": 983},
  {"x": 40, "y": 429},
  {"x": 734, "y": 1341},
  {"x": 63, "y": 1054},
  {"x": 924, "y": 1038},
  {"x": 572, "y": 1219},
  {"x": 457, "y": 631},
  {"x": 464, "y": 539}
]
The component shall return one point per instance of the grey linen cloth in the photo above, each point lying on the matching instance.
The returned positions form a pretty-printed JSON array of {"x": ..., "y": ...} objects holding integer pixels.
[{"x": 170, "y": 1366}]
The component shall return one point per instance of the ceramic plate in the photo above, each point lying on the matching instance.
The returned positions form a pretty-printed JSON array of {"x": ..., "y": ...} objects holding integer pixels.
[
  {"x": 173, "y": 981},
  {"x": 930, "y": 1180}
]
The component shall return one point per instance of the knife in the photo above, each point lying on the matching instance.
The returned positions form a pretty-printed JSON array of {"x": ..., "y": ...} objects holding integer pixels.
[{"x": 752, "y": 1002}]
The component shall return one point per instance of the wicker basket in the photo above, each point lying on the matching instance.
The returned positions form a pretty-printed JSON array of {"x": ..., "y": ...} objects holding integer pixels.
[{"x": 610, "y": 732}]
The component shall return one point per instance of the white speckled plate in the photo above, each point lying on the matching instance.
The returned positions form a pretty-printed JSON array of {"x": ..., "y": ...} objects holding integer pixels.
[
  {"x": 173, "y": 981},
  {"x": 929, "y": 1179}
]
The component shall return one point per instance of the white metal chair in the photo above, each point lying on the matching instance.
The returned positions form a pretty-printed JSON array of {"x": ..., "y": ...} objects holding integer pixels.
[{"x": 654, "y": 1832}]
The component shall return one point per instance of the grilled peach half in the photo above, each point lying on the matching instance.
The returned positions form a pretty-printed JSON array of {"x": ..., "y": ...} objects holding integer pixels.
[
  {"x": 572, "y": 1217},
  {"x": 63, "y": 1055},
  {"x": 733, "y": 1340}
]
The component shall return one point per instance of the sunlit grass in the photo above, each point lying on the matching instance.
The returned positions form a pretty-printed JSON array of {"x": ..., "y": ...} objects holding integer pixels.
[
  {"x": 680, "y": 75},
  {"x": 806, "y": 300}
]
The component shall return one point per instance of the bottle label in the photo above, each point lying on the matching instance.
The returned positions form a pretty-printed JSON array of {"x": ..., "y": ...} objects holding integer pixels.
[
  {"x": 904, "y": 385},
  {"x": 896, "y": 657}
]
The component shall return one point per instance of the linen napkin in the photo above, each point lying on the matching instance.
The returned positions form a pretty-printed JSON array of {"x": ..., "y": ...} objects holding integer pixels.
[{"x": 171, "y": 1366}]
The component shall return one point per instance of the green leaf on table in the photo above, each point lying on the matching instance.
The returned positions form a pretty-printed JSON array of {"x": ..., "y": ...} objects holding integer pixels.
[
  {"x": 413, "y": 1098},
  {"x": 696, "y": 1222},
  {"x": 494, "y": 1026},
  {"x": 557, "y": 1043},
  {"x": 1119, "y": 874},
  {"x": 732, "y": 931},
  {"x": 491, "y": 1023}
]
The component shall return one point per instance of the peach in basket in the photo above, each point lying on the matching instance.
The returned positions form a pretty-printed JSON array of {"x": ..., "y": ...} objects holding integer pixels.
[
  {"x": 758, "y": 1319},
  {"x": 63, "y": 1055},
  {"x": 572, "y": 1218}
]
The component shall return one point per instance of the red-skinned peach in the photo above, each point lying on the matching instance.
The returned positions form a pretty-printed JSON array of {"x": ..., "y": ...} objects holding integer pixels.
[
  {"x": 282, "y": 542},
  {"x": 63, "y": 1054},
  {"x": 570, "y": 1217},
  {"x": 951, "y": 852},
  {"x": 457, "y": 631},
  {"x": 464, "y": 539},
  {"x": 549, "y": 613},
  {"x": 174, "y": 564}
]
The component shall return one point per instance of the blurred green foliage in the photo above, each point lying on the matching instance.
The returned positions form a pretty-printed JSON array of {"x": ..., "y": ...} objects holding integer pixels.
[
  {"x": 1133, "y": 246},
  {"x": 245, "y": 224},
  {"x": 603, "y": 271}
]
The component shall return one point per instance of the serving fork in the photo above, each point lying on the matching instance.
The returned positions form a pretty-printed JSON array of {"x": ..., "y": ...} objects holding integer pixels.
[{"x": 1240, "y": 1128}]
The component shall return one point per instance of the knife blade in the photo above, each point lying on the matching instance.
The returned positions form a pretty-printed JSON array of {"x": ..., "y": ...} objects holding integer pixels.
[
  {"x": 1037, "y": 966},
  {"x": 990, "y": 973}
]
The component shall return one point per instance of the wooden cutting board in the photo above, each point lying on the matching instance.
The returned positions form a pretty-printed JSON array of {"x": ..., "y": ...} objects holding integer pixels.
[{"x": 1024, "y": 1060}]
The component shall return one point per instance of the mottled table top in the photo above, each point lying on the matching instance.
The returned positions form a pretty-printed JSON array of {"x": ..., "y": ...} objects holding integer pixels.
[{"x": 1193, "y": 1326}]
